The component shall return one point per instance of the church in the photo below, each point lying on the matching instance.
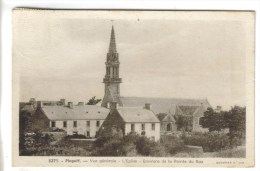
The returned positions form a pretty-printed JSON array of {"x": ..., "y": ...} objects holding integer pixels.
[
  {"x": 193, "y": 108},
  {"x": 146, "y": 116}
]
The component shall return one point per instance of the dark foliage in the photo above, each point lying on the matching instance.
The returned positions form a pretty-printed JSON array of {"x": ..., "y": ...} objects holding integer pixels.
[
  {"x": 77, "y": 136},
  {"x": 210, "y": 141},
  {"x": 93, "y": 101},
  {"x": 236, "y": 121},
  {"x": 173, "y": 144},
  {"x": 213, "y": 121},
  {"x": 183, "y": 122},
  {"x": 129, "y": 145},
  {"x": 25, "y": 125},
  {"x": 54, "y": 130}
]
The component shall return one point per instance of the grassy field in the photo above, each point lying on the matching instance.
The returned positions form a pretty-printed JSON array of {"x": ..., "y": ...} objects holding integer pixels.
[{"x": 239, "y": 152}]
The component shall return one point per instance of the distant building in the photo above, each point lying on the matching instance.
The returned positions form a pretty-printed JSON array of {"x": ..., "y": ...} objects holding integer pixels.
[
  {"x": 192, "y": 111},
  {"x": 124, "y": 120},
  {"x": 74, "y": 119},
  {"x": 168, "y": 123}
]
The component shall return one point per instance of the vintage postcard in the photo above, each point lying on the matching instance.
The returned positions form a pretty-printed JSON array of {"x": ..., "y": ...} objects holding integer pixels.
[{"x": 133, "y": 88}]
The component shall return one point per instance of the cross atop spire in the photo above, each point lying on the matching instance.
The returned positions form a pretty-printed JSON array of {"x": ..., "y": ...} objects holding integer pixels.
[{"x": 112, "y": 45}]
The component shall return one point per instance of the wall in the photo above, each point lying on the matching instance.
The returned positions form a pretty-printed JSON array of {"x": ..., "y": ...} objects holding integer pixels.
[
  {"x": 40, "y": 120},
  {"x": 81, "y": 128},
  {"x": 164, "y": 126},
  {"x": 113, "y": 124},
  {"x": 148, "y": 129}
]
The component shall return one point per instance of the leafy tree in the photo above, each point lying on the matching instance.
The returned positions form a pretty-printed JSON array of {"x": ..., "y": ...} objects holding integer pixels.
[
  {"x": 212, "y": 120},
  {"x": 236, "y": 120},
  {"x": 25, "y": 125},
  {"x": 93, "y": 101},
  {"x": 183, "y": 122}
]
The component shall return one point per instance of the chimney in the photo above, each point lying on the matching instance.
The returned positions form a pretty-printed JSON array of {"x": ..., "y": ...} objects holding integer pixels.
[
  {"x": 39, "y": 104},
  {"x": 147, "y": 106},
  {"x": 63, "y": 102},
  {"x": 70, "y": 104},
  {"x": 113, "y": 105},
  {"x": 81, "y": 104}
]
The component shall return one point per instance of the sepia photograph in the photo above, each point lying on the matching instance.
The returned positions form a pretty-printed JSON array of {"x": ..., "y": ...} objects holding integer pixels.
[{"x": 142, "y": 88}]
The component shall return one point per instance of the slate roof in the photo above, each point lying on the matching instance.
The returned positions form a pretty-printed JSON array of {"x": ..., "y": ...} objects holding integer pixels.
[
  {"x": 165, "y": 105},
  {"x": 84, "y": 112},
  {"x": 137, "y": 115}
]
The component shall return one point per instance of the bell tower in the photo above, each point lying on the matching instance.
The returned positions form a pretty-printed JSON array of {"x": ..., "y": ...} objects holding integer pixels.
[{"x": 111, "y": 79}]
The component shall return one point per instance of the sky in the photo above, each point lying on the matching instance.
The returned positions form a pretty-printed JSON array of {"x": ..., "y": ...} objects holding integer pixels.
[{"x": 62, "y": 56}]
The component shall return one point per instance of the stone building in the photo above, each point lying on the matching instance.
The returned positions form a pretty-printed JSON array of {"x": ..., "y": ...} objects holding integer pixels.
[
  {"x": 73, "y": 119},
  {"x": 168, "y": 123},
  {"x": 124, "y": 120},
  {"x": 193, "y": 113}
]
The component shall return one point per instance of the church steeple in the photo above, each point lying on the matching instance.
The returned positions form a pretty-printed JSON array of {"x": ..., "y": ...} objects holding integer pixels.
[
  {"x": 112, "y": 44},
  {"x": 111, "y": 79}
]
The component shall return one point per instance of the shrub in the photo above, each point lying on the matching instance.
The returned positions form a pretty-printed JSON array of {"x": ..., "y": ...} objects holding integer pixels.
[
  {"x": 173, "y": 144},
  {"x": 210, "y": 141},
  {"x": 54, "y": 130},
  {"x": 108, "y": 146},
  {"x": 76, "y": 136},
  {"x": 129, "y": 145}
]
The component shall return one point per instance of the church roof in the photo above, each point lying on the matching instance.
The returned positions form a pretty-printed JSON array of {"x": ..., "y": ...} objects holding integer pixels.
[
  {"x": 84, "y": 112},
  {"x": 137, "y": 115},
  {"x": 166, "y": 105}
]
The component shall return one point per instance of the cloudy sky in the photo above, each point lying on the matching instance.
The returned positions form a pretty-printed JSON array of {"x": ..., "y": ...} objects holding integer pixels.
[{"x": 58, "y": 56}]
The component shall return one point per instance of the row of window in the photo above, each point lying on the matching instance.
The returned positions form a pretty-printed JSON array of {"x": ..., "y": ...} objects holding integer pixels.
[
  {"x": 75, "y": 124},
  {"x": 143, "y": 127}
]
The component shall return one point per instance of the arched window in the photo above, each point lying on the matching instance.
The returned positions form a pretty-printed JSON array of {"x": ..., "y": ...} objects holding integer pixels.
[{"x": 168, "y": 127}]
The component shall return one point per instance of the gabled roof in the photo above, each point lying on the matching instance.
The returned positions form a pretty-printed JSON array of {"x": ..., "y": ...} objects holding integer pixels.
[
  {"x": 84, "y": 112},
  {"x": 188, "y": 110},
  {"x": 162, "y": 105},
  {"x": 137, "y": 115},
  {"x": 200, "y": 111},
  {"x": 161, "y": 116},
  {"x": 164, "y": 117},
  {"x": 168, "y": 118}
]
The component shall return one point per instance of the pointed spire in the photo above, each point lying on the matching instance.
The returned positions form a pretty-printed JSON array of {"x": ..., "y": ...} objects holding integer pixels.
[{"x": 112, "y": 45}]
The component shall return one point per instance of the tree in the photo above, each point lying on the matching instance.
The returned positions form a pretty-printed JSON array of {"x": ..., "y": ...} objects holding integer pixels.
[
  {"x": 183, "y": 122},
  {"x": 236, "y": 120},
  {"x": 212, "y": 120},
  {"x": 25, "y": 126},
  {"x": 93, "y": 101}
]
